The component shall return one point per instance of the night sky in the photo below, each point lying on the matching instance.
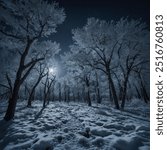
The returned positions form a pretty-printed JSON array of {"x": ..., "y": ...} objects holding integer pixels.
[{"x": 77, "y": 12}]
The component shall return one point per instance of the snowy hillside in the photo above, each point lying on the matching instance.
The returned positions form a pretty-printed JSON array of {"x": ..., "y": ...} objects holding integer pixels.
[{"x": 62, "y": 126}]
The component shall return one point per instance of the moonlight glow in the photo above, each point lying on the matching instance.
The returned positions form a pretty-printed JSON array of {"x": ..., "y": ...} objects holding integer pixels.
[{"x": 52, "y": 70}]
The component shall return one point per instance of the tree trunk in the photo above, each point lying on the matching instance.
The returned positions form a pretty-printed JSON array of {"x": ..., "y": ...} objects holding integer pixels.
[
  {"x": 138, "y": 93},
  {"x": 44, "y": 103},
  {"x": 97, "y": 88},
  {"x": 78, "y": 95},
  {"x": 110, "y": 91},
  {"x": 48, "y": 96},
  {"x": 111, "y": 85},
  {"x": 65, "y": 94},
  {"x": 68, "y": 94},
  {"x": 25, "y": 91},
  {"x": 124, "y": 92},
  {"x": 30, "y": 100},
  {"x": 59, "y": 92},
  {"x": 33, "y": 91},
  {"x": 144, "y": 91},
  {"x": 12, "y": 102},
  {"x": 88, "y": 91},
  {"x": 18, "y": 81},
  {"x": 31, "y": 97},
  {"x": 45, "y": 92},
  {"x": 74, "y": 99},
  {"x": 145, "y": 95},
  {"x": 89, "y": 99},
  {"x": 84, "y": 93},
  {"x": 45, "y": 96}
]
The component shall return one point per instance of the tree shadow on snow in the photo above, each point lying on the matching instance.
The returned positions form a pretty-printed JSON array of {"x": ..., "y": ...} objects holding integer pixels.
[
  {"x": 21, "y": 108},
  {"x": 4, "y": 125}
]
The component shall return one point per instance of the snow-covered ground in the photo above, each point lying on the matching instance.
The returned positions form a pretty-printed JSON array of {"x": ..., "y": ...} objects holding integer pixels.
[{"x": 73, "y": 126}]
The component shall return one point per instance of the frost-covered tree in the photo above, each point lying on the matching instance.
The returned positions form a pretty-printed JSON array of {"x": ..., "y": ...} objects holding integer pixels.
[
  {"x": 77, "y": 68},
  {"x": 112, "y": 46},
  {"x": 25, "y": 27},
  {"x": 41, "y": 73},
  {"x": 98, "y": 39},
  {"x": 133, "y": 55},
  {"x": 48, "y": 84}
]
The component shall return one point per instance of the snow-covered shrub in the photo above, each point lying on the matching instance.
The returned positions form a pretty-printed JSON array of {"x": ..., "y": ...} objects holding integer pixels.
[
  {"x": 43, "y": 145},
  {"x": 129, "y": 127},
  {"x": 100, "y": 132},
  {"x": 99, "y": 142},
  {"x": 67, "y": 147},
  {"x": 65, "y": 130},
  {"x": 87, "y": 129},
  {"x": 84, "y": 142},
  {"x": 128, "y": 144},
  {"x": 142, "y": 128},
  {"x": 59, "y": 138}
]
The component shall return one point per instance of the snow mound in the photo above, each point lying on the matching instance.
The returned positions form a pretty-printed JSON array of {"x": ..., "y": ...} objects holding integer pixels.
[
  {"x": 44, "y": 144},
  {"x": 98, "y": 142},
  {"x": 100, "y": 132},
  {"x": 84, "y": 142},
  {"x": 128, "y": 144}
]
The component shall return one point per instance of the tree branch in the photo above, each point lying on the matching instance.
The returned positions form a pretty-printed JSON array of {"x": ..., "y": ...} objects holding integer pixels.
[
  {"x": 11, "y": 35},
  {"x": 5, "y": 86},
  {"x": 9, "y": 82},
  {"x": 33, "y": 61},
  {"x": 101, "y": 69},
  {"x": 27, "y": 73},
  {"x": 113, "y": 51}
]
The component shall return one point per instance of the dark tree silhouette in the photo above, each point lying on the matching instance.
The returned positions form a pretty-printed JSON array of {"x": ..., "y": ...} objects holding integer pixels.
[
  {"x": 47, "y": 88},
  {"x": 42, "y": 73},
  {"x": 24, "y": 25}
]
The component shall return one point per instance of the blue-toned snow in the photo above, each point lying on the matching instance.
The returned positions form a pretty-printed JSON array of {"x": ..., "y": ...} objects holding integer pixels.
[{"x": 62, "y": 126}]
